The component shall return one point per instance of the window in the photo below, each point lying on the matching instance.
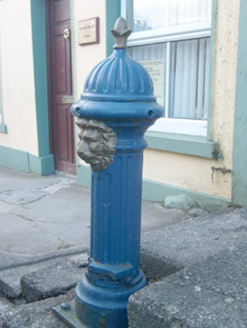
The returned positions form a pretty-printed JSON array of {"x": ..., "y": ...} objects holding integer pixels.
[{"x": 171, "y": 39}]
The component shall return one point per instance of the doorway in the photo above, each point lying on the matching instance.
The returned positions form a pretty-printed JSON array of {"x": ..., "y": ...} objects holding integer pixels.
[{"x": 61, "y": 121}]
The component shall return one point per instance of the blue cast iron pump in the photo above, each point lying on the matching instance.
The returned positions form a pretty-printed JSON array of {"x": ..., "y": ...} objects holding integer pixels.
[{"x": 113, "y": 113}]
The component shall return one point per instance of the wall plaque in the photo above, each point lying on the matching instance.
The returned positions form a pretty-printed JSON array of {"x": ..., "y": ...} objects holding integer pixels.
[
  {"x": 155, "y": 69},
  {"x": 88, "y": 31}
]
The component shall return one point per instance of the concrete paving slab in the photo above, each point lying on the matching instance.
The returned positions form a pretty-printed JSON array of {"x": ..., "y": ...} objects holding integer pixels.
[
  {"x": 18, "y": 235},
  {"x": 21, "y": 197},
  {"x": 11, "y": 260},
  {"x": 50, "y": 281},
  {"x": 10, "y": 285},
  {"x": 173, "y": 247},
  {"x": 59, "y": 221},
  {"x": 21, "y": 194},
  {"x": 172, "y": 303},
  {"x": 6, "y": 208},
  {"x": 63, "y": 273},
  {"x": 17, "y": 180},
  {"x": 66, "y": 214},
  {"x": 210, "y": 293},
  {"x": 225, "y": 274}
]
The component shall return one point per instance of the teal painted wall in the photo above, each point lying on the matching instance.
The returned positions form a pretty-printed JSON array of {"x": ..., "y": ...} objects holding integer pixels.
[
  {"x": 156, "y": 191},
  {"x": 3, "y": 128},
  {"x": 84, "y": 175},
  {"x": 23, "y": 161},
  {"x": 14, "y": 159},
  {"x": 113, "y": 8},
  {"x": 239, "y": 174},
  {"x": 40, "y": 77}
]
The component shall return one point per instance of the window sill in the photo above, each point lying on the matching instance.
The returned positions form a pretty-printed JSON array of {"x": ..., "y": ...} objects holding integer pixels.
[
  {"x": 183, "y": 144},
  {"x": 3, "y": 128},
  {"x": 180, "y": 126}
]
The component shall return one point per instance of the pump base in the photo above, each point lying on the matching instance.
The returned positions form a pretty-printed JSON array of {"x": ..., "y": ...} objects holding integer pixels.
[
  {"x": 105, "y": 305},
  {"x": 68, "y": 316}
]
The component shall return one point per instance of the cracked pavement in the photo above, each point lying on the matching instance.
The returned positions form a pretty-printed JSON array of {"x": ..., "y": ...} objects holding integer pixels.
[{"x": 39, "y": 215}]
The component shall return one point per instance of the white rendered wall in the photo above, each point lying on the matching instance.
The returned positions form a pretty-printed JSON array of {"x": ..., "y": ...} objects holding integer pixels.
[
  {"x": 85, "y": 58},
  {"x": 16, "y": 69}
]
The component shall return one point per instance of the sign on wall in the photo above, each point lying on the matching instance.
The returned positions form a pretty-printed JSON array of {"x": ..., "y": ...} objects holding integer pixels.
[
  {"x": 155, "y": 69},
  {"x": 88, "y": 31}
]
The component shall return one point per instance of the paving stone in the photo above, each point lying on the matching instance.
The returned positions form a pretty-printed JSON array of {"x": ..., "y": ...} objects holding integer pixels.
[
  {"x": 10, "y": 282},
  {"x": 50, "y": 281},
  {"x": 10, "y": 278},
  {"x": 36, "y": 315},
  {"x": 170, "y": 249},
  {"x": 81, "y": 260},
  {"x": 210, "y": 293}
]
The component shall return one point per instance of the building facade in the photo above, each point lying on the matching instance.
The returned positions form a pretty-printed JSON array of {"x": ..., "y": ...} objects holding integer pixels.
[{"x": 196, "y": 58}]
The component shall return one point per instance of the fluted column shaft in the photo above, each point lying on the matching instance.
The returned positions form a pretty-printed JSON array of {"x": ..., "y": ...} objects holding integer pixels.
[
  {"x": 116, "y": 208},
  {"x": 116, "y": 211}
]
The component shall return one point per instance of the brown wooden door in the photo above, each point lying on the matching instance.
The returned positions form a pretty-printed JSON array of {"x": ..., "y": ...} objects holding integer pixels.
[{"x": 60, "y": 86}]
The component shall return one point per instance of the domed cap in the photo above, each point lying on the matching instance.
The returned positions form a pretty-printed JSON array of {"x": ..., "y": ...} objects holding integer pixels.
[{"x": 119, "y": 77}]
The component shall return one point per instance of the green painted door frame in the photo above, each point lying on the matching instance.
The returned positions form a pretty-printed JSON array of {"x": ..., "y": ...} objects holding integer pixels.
[
  {"x": 45, "y": 161},
  {"x": 113, "y": 11}
]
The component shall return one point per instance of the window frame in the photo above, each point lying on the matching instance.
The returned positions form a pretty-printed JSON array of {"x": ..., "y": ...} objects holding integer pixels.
[{"x": 171, "y": 34}]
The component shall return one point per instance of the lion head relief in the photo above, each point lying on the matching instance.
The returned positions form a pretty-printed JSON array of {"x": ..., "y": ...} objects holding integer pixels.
[{"x": 97, "y": 144}]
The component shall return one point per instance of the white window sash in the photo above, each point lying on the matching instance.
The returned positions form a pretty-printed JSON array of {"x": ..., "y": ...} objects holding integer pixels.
[{"x": 176, "y": 33}]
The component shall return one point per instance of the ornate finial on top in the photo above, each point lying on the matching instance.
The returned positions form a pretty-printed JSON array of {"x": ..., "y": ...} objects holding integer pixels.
[{"x": 120, "y": 33}]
